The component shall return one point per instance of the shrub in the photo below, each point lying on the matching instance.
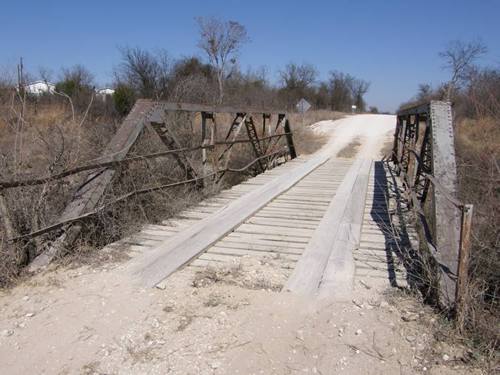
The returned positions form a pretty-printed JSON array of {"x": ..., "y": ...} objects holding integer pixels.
[{"x": 123, "y": 99}]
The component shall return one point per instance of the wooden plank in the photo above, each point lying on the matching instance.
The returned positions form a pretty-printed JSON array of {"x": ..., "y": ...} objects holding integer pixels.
[
  {"x": 309, "y": 270},
  {"x": 277, "y": 230},
  {"x": 186, "y": 245},
  {"x": 463, "y": 266},
  {"x": 298, "y": 207},
  {"x": 254, "y": 252},
  {"x": 287, "y": 216},
  {"x": 338, "y": 277},
  {"x": 280, "y": 238},
  {"x": 290, "y": 223},
  {"x": 249, "y": 241},
  {"x": 258, "y": 247},
  {"x": 292, "y": 212}
]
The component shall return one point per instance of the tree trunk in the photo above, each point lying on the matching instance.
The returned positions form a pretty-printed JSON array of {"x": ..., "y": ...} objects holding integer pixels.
[{"x": 221, "y": 86}]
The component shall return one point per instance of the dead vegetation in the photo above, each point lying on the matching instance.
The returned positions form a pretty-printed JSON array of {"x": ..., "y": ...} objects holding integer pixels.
[
  {"x": 47, "y": 138},
  {"x": 478, "y": 150},
  {"x": 441, "y": 345}
]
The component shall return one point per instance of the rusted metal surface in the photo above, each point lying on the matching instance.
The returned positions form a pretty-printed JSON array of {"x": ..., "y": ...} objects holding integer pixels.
[
  {"x": 254, "y": 140},
  {"x": 425, "y": 156},
  {"x": 446, "y": 213}
]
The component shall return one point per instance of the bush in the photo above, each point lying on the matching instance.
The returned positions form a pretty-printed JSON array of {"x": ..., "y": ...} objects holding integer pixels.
[{"x": 123, "y": 99}]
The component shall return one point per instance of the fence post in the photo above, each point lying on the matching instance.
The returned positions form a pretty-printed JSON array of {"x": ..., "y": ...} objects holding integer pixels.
[
  {"x": 289, "y": 140},
  {"x": 463, "y": 265},
  {"x": 205, "y": 140}
]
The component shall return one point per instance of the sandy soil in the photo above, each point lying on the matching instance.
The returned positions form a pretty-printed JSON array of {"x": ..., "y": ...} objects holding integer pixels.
[
  {"x": 233, "y": 320},
  {"x": 373, "y": 131}
]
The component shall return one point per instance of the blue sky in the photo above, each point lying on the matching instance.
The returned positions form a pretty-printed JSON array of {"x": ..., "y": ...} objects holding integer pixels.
[{"x": 393, "y": 44}]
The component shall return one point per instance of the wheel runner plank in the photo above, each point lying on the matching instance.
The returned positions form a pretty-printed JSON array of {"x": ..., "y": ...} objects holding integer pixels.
[{"x": 186, "y": 245}]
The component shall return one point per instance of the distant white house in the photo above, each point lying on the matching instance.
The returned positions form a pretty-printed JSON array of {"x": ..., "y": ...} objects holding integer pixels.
[
  {"x": 105, "y": 91},
  {"x": 40, "y": 88}
]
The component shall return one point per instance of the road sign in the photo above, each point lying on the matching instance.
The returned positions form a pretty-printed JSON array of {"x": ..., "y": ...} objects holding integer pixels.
[{"x": 303, "y": 105}]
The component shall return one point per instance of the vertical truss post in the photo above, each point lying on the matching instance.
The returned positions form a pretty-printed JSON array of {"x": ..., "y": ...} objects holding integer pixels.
[
  {"x": 206, "y": 139},
  {"x": 289, "y": 140},
  {"x": 412, "y": 157},
  {"x": 265, "y": 116},
  {"x": 395, "y": 144},
  {"x": 447, "y": 215},
  {"x": 403, "y": 123},
  {"x": 422, "y": 149}
]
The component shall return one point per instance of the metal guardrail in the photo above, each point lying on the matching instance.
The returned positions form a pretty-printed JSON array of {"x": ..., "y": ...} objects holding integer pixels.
[{"x": 424, "y": 155}]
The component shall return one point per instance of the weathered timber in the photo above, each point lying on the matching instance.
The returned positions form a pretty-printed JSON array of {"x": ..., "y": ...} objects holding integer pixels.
[
  {"x": 338, "y": 277},
  {"x": 463, "y": 266},
  {"x": 308, "y": 273},
  {"x": 183, "y": 247}
]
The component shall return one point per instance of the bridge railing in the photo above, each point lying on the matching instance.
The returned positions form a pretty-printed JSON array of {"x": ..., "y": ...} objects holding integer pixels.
[
  {"x": 424, "y": 155},
  {"x": 211, "y": 164}
]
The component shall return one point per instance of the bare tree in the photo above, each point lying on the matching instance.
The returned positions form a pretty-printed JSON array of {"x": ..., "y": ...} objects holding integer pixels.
[
  {"x": 425, "y": 92},
  {"x": 146, "y": 72},
  {"x": 299, "y": 77},
  {"x": 459, "y": 58},
  {"x": 79, "y": 75},
  {"x": 359, "y": 88},
  {"x": 45, "y": 74},
  {"x": 221, "y": 41},
  {"x": 340, "y": 91}
]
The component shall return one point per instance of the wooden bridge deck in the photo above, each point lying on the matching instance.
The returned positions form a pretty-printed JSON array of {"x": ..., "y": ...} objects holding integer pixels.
[{"x": 285, "y": 227}]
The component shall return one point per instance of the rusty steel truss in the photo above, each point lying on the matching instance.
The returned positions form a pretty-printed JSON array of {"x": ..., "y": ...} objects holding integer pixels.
[
  {"x": 424, "y": 155},
  {"x": 266, "y": 147}
]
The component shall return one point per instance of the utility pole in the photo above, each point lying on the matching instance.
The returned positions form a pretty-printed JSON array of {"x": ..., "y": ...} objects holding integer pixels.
[{"x": 20, "y": 68}]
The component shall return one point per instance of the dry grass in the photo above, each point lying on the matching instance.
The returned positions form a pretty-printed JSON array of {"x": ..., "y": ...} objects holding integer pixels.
[
  {"x": 478, "y": 152},
  {"x": 47, "y": 139}
]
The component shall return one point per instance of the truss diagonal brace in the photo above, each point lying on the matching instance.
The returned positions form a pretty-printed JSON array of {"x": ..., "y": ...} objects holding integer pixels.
[{"x": 170, "y": 140}]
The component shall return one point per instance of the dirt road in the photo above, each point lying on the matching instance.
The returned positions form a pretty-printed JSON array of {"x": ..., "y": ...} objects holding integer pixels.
[{"x": 233, "y": 320}]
